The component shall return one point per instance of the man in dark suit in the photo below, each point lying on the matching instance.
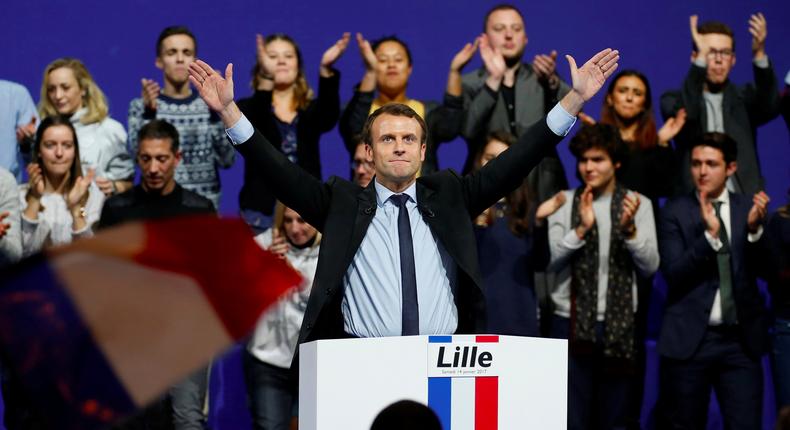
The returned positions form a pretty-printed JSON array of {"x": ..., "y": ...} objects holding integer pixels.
[
  {"x": 714, "y": 329},
  {"x": 714, "y": 104},
  {"x": 398, "y": 256}
]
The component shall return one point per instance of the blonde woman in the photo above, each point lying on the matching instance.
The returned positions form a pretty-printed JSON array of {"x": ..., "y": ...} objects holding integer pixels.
[
  {"x": 69, "y": 90},
  {"x": 269, "y": 354}
]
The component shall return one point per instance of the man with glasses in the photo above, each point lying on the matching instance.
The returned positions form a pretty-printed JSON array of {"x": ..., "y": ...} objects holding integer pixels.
[{"x": 714, "y": 104}]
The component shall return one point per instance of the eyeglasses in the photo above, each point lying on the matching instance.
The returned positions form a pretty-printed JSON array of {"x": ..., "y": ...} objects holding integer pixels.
[{"x": 724, "y": 54}]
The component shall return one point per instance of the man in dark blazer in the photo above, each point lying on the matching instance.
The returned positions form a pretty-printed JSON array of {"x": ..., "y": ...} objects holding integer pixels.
[
  {"x": 367, "y": 282},
  {"x": 713, "y": 103},
  {"x": 714, "y": 329}
]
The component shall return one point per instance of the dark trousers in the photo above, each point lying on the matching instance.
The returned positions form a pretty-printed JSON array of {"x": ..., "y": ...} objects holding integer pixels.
[
  {"x": 270, "y": 392},
  {"x": 719, "y": 363},
  {"x": 597, "y": 397}
]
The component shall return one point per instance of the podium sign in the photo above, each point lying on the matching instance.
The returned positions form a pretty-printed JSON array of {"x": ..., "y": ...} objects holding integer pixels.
[{"x": 471, "y": 382}]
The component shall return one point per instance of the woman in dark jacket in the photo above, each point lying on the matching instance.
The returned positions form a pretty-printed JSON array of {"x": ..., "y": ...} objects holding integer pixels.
[{"x": 286, "y": 111}]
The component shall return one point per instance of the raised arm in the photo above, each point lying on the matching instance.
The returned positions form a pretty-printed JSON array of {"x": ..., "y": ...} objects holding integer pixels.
[
  {"x": 506, "y": 172},
  {"x": 292, "y": 185}
]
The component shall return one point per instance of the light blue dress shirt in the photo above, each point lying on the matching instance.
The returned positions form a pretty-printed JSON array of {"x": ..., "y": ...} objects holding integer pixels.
[
  {"x": 372, "y": 298},
  {"x": 372, "y": 284},
  {"x": 16, "y": 109}
]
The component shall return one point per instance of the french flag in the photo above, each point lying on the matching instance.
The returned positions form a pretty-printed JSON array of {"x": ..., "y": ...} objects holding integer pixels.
[
  {"x": 97, "y": 329},
  {"x": 465, "y": 403}
]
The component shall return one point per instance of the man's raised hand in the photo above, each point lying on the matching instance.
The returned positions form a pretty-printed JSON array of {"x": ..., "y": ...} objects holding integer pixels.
[
  {"x": 215, "y": 90},
  {"x": 589, "y": 78}
]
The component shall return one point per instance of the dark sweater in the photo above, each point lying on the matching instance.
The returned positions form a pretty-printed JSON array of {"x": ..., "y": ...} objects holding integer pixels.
[
  {"x": 137, "y": 204},
  {"x": 777, "y": 270}
]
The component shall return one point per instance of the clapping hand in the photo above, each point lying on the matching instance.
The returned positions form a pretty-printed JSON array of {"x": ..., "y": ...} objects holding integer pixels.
[
  {"x": 27, "y": 131},
  {"x": 150, "y": 93},
  {"x": 545, "y": 67},
  {"x": 367, "y": 54},
  {"x": 758, "y": 211},
  {"x": 36, "y": 184},
  {"x": 671, "y": 127},
  {"x": 79, "y": 191},
  {"x": 758, "y": 28},
  {"x": 279, "y": 244},
  {"x": 547, "y": 208},
  {"x": 712, "y": 224},
  {"x": 333, "y": 53},
  {"x": 462, "y": 57},
  {"x": 493, "y": 61},
  {"x": 630, "y": 207},
  {"x": 586, "y": 212}
]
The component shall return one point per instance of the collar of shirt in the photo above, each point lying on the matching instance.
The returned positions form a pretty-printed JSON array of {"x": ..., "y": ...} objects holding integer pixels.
[
  {"x": 724, "y": 197},
  {"x": 383, "y": 193}
]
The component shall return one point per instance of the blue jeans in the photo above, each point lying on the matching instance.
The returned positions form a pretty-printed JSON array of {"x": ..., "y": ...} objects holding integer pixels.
[
  {"x": 271, "y": 395},
  {"x": 781, "y": 362}
]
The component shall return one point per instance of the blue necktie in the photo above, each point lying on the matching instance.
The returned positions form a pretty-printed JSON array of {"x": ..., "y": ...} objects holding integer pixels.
[{"x": 410, "y": 316}]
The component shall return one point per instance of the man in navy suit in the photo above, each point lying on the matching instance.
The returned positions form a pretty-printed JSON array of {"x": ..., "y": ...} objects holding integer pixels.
[{"x": 714, "y": 329}]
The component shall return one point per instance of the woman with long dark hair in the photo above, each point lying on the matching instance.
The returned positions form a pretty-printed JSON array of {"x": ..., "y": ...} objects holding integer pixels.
[{"x": 59, "y": 203}]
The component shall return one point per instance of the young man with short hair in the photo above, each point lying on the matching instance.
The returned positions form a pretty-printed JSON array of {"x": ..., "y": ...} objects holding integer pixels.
[
  {"x": 714, "y": 329},
  {"x": 510, "y": 94},
  {"x": 602, "y": 240},
  {"x": 714, "y": 104},
  {"x": 203, "y": 143}
]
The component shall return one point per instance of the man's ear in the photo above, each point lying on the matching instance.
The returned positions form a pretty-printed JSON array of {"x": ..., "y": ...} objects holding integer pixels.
[
  {"x": 158, "y": 63},
  {"x": 178, "y": 157},
  {"x": 694, "y": 54},
  {"x": 732, "y": 167}
]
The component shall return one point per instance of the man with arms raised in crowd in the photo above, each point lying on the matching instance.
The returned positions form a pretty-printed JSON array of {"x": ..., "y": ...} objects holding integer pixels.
[
  {"x": 432, "y": 284},
  {"x": 714, "y": 104}
]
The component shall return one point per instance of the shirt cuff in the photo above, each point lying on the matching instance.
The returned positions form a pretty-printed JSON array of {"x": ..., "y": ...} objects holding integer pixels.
[
  {"x": 761, "y": 62},
  {"x": 240, "y": 132},
  {"x": 754, "y": 237},
  {"x": 714, "y": 242},
  {"x": 572, "y": 241},
  {"x": 560, "y": 121}
]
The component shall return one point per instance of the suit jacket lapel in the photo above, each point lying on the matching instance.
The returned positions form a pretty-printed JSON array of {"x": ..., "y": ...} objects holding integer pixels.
[{"x": 366, "y": 209}]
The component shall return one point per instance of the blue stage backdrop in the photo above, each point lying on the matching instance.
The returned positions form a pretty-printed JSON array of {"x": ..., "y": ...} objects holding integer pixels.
[{"x": 117, "y": 42}]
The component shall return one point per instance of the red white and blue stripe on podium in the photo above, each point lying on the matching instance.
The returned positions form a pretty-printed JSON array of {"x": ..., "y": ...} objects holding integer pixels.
[{"x": 465, "y": 403}]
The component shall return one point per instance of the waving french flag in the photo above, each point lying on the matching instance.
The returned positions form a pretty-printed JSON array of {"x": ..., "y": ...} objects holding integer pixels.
[{"x": 99, "y": 328}]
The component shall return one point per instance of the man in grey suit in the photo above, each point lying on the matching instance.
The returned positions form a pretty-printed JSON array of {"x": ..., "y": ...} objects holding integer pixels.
[{"x": 510, "y": 95}]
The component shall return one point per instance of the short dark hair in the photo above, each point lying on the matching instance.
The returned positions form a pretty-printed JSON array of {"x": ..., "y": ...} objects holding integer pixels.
[
  {"x": 497, "y": 8},
  {"x": 406, "y": 414},
  {"x": 159, "y": 129},
  {"x": 720, "y": 141},
  {"x": 394, "y": 109},
  {"x": 714, "y": 27},
  {"x": 503, "y": 136},
  {"x": 392, "y": 38},
  {"x": 172, "y": 31},
  {"x": 599, "y": 136}
]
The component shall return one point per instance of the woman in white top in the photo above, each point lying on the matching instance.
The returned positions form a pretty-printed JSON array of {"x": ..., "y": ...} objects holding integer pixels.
[
  {"x": 68, "y": 89},
  {"x": 267, "y": 361},
  {"x": 59, "y": 204}
]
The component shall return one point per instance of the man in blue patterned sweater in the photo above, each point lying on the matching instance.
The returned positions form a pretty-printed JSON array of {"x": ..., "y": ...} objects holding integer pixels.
[{"x": 203, "y": 143}]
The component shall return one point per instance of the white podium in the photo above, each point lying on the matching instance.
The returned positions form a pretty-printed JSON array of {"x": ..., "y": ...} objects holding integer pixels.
[{"x": 471, "y": 382}]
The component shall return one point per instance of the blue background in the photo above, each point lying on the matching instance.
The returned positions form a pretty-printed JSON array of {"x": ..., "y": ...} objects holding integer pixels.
[{"x": 117, "y": 41}]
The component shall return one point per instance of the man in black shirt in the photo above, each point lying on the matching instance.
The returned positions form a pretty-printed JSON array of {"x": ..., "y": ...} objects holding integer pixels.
[{"x": 159, "y": 196}]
